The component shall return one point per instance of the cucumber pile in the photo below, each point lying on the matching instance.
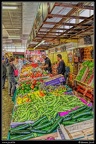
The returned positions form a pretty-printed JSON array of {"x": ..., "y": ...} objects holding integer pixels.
[
  {"x": 44, "y": 126},
  {"x": 38, "y": 128},
  {"x": 81, "y": 114}
]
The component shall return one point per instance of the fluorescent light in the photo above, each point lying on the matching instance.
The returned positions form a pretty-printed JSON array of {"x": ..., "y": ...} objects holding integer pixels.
[
  {"x": 10, "y": 7},
  {"x": 14, "y": 37},
  {"x": 10, "y": 29},
  {"x": 39, "y": 44}
]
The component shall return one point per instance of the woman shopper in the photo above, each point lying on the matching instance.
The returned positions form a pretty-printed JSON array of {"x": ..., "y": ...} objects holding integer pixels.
[
  {"x": 4, "y": 72},
  {"x": 11, "y": 77}
]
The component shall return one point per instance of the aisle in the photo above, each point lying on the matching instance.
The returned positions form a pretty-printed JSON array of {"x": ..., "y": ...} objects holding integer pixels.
[{"x": 7, "y": 106}]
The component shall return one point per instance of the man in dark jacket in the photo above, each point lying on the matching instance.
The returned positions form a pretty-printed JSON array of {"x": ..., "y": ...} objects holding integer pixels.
[
  {"x": 61, "y": 65},
  {"x": 4, "y": 71},
  {"x": 47, "y": 64}
]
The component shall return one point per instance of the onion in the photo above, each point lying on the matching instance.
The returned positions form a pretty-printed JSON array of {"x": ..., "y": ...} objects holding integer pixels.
[{"x": 50, "y": 138}]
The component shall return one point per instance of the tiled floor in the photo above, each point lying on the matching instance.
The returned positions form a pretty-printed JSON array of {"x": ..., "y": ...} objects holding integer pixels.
[{"x": 7, "y": 106}]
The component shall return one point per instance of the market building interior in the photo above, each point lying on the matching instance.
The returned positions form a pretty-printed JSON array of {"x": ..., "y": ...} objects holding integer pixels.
[{"x": 48, "y": 70}]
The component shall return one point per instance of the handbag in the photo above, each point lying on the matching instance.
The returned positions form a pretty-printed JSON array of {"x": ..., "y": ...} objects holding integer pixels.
[{"x": 16, "y": 72}]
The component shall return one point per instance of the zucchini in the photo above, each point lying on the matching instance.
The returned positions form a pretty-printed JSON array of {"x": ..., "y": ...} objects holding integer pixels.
[
  {"x": 68, "y": 122},
  {"x": 67, "y": 118},
  {"x": 38, "y": 131},
  {"x": 25, "y": 137},
  {"x": 54, "y": 126},
  {"x": 88, "y": 109},
  {"x": 13, "y": 137},
  {"x": 38, "y": 121},
  {"x": 82, "y": 114},
  {"x": 44, "y": 126},
  {"x": 20, "y": 132},
  {"x": 78, "y": 110},
  {"x": 43, "y": 122},
  {"x": 20, "y": 127},
  {"x": 84, "y": 118}
]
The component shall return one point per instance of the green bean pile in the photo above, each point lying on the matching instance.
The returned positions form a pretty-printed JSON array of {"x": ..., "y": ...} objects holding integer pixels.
[{"x": 48, "y": 106}]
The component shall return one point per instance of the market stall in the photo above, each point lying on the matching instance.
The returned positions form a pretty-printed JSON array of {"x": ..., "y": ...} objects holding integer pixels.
[{"x": 42, "y": 104}]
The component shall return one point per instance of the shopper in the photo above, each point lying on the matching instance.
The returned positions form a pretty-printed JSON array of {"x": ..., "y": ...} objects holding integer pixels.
[
  {"x": 61, "y": 65},
  {"x": 47, "y": 64},
  {"x": 11, "y": 77},
  {"x": 25, "y": 61},
  {"x": 18, "y": 64},
  {"x": 4, "y": 72}
]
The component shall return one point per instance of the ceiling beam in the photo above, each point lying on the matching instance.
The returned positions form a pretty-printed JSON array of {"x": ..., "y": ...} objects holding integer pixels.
[
  {"x": 63, "y": 19},
  {"x": 55, "y": 23},
  {"x": 74, "y": 6},
  {"x": 83, "y": 31},
  {"x": 41, "y": 35},
  {"x": 50, "y": 32},
  {"x": 67, "y": 24},
  {"x": 79, "y": 24},
  {"x": 54, "y": 28},
  {"x": 66, "y": 16},
  {"x": 45, "y": 37}
]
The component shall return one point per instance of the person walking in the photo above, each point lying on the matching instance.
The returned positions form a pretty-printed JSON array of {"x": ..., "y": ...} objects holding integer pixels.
[
  {"x": 11, "y": 77},
  {"x": 4, "y": 72}
]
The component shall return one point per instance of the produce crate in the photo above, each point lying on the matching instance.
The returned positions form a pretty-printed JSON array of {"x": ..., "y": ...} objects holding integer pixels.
[
  {"x": 79, "y": 131},
  {"x": 80, "y": 126},
  {"x": 84, "y": 75},
  {"x": 58, "y": 79}
]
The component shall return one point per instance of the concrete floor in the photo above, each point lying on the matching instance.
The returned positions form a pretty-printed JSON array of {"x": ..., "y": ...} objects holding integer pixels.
[{"x": 7, "y": 106}]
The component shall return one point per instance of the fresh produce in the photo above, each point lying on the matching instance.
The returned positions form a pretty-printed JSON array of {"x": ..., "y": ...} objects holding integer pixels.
[
  {"x": 84, "y": 118},
  {"x": 69, "y": 122},
  {"x": 56, "y": 123},
  {"x": 20, "y": 127},
  {"x": 88, "y": 63},
  {"x": 24, "y": 137},
  {"x": 47, "y": 106},
  {"x": 82, "y": 114},
  {"x": 78, "y": 110},
  {"x": 45, "y": 126},
  {"x": 38, "y": 121},
  {"x": 20, "y": 132},
  {"x": 26, "y": 87},
  {"x": 29, "y": 97},
  {"x": 81, "y": 73}
]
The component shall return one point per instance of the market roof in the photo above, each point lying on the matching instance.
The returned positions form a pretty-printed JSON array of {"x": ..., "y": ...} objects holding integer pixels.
[{"x": 66, "y": 20}]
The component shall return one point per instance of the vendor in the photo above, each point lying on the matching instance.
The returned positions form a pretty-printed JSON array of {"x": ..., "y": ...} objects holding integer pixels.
[
  {"x": 61, "y": 65},
  {"x": 47, "y": 64}
]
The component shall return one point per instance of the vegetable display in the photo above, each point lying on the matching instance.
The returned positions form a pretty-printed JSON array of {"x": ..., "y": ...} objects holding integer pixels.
[
  {"x": 44, "y": 126},
  {"x": 39, "y": 106},
  {"x": 47, "y": 105},
  {"x": 48, "y": 90}
]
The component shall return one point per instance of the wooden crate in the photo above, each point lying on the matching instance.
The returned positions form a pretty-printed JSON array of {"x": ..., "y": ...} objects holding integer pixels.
[
  {"x": 81, "y": 131},
  {"x": 80, "y": 126},
  {"x": 43, "y": 137}
]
